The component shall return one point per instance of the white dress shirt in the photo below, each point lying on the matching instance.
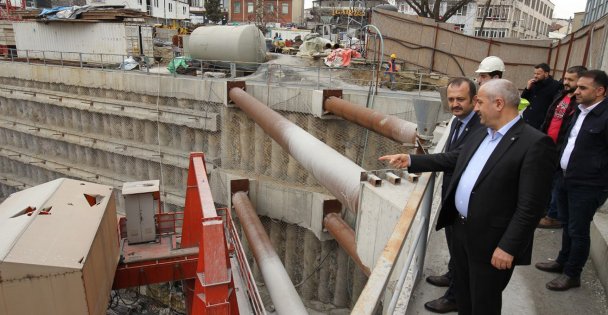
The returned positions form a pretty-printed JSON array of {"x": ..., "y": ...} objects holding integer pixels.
[{"x": 563, "y": 162}]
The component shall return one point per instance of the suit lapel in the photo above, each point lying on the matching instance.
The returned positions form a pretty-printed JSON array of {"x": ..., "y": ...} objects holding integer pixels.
[
  {"x": 500, "y": 150},
  {"x": 467, "y": 128}
]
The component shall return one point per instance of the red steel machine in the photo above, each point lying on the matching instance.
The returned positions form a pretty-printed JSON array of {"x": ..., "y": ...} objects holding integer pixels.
[{"x": 207, "y": 256}]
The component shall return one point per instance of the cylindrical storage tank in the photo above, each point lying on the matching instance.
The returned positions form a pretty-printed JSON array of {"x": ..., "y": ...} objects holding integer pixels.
[{"x": 244, "y": 43}]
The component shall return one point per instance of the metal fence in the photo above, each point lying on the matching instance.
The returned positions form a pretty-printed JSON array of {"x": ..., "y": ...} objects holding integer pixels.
[{"x": 272, "y": 72}]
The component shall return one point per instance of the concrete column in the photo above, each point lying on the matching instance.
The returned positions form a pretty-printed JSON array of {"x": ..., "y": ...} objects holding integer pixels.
[
  {"x": 175, "y": 135},
  {"x": 312, "y": 249},
  {"x": 227, "y": 137},
  {"x": 89, "y": 157},
  {"x": 140, "y": 167},
  {"x": 341, "y": 285},
  {"x": 111, "y": 162},
  {"x": 165, "y": 137},
  {"x": 67, "y": 118},
  {"x": 187, "y": 139},
  {"x": 200, "y": 142},
  {"x": 324, "y": 288},
  {"x": 138, "y": 130},
  {"x": 153, "y": 170},
  {"x": 277, "y": 237},
  {"x": 293, "y": 252},
  {"x": 351, "y": 143},
  {"x": 213, "y": 144},
  {"x": 107, "y": 125},
  {"x": 126, "y": 126},
  {"x": 246, "y": 141},
  {"x": 260, "y": 160},
  {"x": 76, "y": 120},
  {"x": 277, "y": 161},
  {"x": 169, "y": 175},
  {"x": 115, "y": 128},
  {"x": 97, "y": 123},
  {"x": 150, "y": 133}
]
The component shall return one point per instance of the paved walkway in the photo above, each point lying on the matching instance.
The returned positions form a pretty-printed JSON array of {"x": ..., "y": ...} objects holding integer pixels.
[{"x": 526, "y": 293}]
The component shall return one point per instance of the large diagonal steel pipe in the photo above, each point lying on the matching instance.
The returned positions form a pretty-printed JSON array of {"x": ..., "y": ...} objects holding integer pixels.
[
  {"x": 284, "y": 295},
  {"x": 389, "y": 126},
  {"x": 334, "y": 171},
  {"x": 345, "y": 236}
]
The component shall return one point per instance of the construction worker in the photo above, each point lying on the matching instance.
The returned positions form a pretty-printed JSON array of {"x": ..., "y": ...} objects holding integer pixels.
[
  {"x": 490, "y": 68},
  {"x": 391, "y": 68}
]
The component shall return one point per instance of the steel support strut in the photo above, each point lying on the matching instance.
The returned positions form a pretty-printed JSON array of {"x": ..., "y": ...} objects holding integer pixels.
[
  {"x": 345, "y": 236},
  {"x": 284, "y": 295},
  {"x": 389, "y": 126},
  {"x": 334, "y": 171}
]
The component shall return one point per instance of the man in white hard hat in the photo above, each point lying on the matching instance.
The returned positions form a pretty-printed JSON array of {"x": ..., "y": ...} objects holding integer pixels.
[{"x": 490, "y": 68}]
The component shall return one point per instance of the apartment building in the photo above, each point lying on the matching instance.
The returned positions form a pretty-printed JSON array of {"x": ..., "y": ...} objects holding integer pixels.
[
  {"x": 271, "y": 11},
  {"x": 525, "y": 19},
  {"x": 595, "y": 10},
  {"x": 161, "y": 9}
]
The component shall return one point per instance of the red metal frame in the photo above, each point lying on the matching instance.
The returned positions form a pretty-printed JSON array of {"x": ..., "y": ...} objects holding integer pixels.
[{"x": 204, "y": 231}]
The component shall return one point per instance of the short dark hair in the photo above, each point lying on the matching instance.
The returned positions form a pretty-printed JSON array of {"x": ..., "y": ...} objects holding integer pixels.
[
  {"x": 460, "y": 80},
  {"x": 579, "y": 70},
  {"x": 599, "y": 77},
  {"x": 495, "y": 73},
  {"x": 543, "y": 66}
]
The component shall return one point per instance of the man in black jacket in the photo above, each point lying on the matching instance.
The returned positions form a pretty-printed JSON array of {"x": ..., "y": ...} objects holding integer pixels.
[
  {"x": 584, "y": 185},
  {"x": 499, "y": 186},
  {"x": 555, "y": 125},
  {"x": 461, "y": 100},
  {"x": 539, "y": 91}
]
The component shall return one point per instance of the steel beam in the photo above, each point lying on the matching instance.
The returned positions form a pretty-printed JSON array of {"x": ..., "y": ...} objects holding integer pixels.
[
  {"x": 389, "y": 126},
  {"x": 345, "y": 236},
  {"x": 284, "y": 295},
  {"x": 333, "y": 170}
]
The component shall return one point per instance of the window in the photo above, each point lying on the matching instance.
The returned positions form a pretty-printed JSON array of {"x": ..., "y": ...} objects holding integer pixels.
[
  {"x": 285, "y": 8},
  {"x": 237, "y": 7},
  {"x": 270, "y": 7},
  {"x": 249, "y": 7},
  {"x": 492, "y": 32},
  {"x": 156, "y": 3},
  {"x": 459, "y": 27},
  {"x": 184, "y": 10},
  {"x": 170, "y": 7},
  {"x": 139, "y": 1}
]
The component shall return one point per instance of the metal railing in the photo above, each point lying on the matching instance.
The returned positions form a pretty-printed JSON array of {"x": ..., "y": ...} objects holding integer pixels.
[{"x": 314, "y": 77}]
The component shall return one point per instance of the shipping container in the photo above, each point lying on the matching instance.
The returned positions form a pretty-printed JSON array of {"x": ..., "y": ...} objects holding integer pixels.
[{"x": 86, "y": 42}]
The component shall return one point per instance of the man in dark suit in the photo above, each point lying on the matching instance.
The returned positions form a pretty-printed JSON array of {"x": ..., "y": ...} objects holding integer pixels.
[
  {"x": 500, "y": 184},
  {"x": 461, "y": 100},
  {"x": 583, "y": 188},
  {"x": 539, "y": 91}
]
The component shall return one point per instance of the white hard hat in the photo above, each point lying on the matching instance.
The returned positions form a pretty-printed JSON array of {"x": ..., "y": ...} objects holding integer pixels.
[{"x": 491, "y": 64}]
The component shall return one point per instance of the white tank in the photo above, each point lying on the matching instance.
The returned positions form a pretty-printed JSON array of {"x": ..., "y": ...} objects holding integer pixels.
[{"x": 243, "y": 43}]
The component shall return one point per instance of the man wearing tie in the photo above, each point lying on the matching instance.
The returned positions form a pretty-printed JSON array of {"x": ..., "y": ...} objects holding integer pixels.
[
  {"x": 461, "y": 100},
  {"x": 500, "y": 184}
]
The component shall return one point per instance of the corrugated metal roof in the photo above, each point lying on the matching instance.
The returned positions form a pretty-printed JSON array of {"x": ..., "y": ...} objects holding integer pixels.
[{"x": 62, "y": 238}]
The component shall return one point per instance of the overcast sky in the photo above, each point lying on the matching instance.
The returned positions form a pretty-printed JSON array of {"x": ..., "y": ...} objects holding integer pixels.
[
  {"x": 563, "y": 8},
  {"x": 566, "y": 8}
]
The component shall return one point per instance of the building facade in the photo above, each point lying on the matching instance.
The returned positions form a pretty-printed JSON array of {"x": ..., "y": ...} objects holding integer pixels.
[
  {"x": 269, "y": 11},
  {"x": 595, "y": 10},
  {"x": 160, "y": 9},
  {"x": 525, "y": 19}
]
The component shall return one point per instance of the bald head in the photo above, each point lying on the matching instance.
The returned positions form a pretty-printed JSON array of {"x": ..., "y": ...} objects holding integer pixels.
[
  {"x": 497, "y": 103},
  {"x": 503, "y": 89}
]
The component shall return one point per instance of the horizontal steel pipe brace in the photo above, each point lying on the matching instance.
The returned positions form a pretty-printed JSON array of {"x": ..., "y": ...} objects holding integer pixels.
[{"x": 389, "y": 126}]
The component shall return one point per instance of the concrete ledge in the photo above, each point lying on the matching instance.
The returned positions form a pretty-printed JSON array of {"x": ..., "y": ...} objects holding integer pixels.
[{"x": 599, "y": 247}]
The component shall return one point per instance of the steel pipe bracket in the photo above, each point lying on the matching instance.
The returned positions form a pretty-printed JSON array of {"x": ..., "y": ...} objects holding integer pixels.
[{"x": 229, "y": 86}]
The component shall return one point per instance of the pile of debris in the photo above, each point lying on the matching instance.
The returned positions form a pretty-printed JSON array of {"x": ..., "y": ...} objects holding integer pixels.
[{"x": 86, "y": 13}]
